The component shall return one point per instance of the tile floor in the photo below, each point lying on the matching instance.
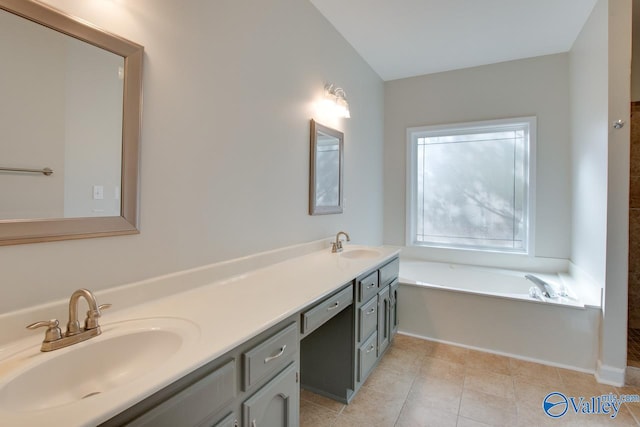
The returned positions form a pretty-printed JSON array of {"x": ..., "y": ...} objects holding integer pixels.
[{"x": 423, "y": 383}]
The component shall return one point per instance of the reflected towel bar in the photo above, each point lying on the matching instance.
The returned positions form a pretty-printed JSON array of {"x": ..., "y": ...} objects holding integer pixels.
[{"x": 45, "y": 171}]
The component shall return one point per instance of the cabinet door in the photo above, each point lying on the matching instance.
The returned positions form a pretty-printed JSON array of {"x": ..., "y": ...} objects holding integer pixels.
[
  {"x": 228, "y": 421},
  {"x": 197, "y": 402},
  {"x": 384, "y": 325},
  {"x": 393, "y": 300},
  {"x": 275, "y": 404}
]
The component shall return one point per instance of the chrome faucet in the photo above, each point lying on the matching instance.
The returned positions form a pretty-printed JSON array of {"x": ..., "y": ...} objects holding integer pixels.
[
  {"x": 546, "y": 289},
  {"x": 337, "y": 245},
  {"x": 54, "y": 339}
]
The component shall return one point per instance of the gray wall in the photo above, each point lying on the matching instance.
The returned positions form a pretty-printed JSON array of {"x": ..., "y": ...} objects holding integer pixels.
[
  {"x": 529, "y": 87},
  {"x": 229, "y": 88},
  {"x": 589, "y": 110}
]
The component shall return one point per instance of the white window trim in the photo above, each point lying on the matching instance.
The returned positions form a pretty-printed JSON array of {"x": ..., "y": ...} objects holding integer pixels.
[{"x": 529, "y": 199}]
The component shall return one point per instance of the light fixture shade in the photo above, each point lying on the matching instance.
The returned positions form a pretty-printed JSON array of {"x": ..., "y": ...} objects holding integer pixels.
[{"x": 336, "y": 100}]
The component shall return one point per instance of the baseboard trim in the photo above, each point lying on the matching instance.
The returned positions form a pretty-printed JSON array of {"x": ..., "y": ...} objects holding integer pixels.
[
  {"x": 502, "y": 353},
  {"x": 610, "y": 375}
]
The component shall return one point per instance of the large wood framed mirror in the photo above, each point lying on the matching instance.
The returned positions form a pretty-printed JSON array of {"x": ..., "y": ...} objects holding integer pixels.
[
  {"x": 327, "y": 162},
  {"x": 69, "y": 127}
]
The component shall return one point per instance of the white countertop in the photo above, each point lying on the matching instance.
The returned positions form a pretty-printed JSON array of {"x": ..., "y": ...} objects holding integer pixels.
[{"x": 225, "y": 314}]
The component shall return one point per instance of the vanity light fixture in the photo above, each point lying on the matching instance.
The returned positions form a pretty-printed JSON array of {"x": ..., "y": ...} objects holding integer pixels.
[{"x": 336, "y": 99}]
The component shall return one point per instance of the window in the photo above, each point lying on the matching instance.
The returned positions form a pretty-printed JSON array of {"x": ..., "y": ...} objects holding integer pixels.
[{"x": 470, "y": 185}]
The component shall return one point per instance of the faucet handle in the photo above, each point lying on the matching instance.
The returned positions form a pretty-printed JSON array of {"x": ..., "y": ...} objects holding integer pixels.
[
  {"x": 103, "y": 307},
  {"x": 91, "y": 321},
  {"x": 53, "y": 332}
]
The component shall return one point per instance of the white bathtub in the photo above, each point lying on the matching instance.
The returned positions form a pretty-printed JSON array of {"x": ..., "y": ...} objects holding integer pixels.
[
  {"x": 491, "y": 310},
  {"x": 484, "y": 281}
]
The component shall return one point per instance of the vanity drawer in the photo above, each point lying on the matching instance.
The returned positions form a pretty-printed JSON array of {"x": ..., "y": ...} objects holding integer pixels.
[
  {"x": 270, "y": 355},
  {"x": 195, "y": 403},
  {"x": 367, "y": 356},
  {"x": 389, "y": 272},
  {"x": 328, "y": 308},
  {"x": 367, "y": 286},
  {"x": 368, "y": 317}
]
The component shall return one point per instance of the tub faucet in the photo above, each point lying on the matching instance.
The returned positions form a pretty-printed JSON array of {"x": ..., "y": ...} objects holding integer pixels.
[
  {"x": 546, "y": 289},
  {"x": 337, "y": 245},
  {"x": 54, "y": 339}
]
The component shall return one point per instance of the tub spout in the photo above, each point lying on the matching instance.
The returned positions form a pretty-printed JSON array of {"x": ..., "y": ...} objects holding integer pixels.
[{"x": 546, "y": 289}]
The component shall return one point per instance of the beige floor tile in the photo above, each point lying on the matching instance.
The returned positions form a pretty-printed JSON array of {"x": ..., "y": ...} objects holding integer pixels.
[
  {"x": 424, "y": 383},
  {"x": 414, "y": 414},
  {"x": 400, "y": 360},
  {"x": 466, "y": 422},
  {"x": 440, "y": 368},
  {"x": 488, "y": 382},
  {"x": 634, "y": 410},
  {"x": 488, "y": 409},
  {"x": 488, "y": 362},
  {"x": 529, "y": 415},
  {"x": 529, "y": 396},
  {"x": 624, "y": 418},
  {"x": 448, "y": 352},
  {"x": 574, "y": 377},
  {"x": 417, "y": 346},
  {"x": 331, "y": 404},
  {"x": 580, "y": 382},
  {"x": 349, "y": 421},
  {"x": 438, "y": 393},
  {"x": 535, "y": 373},
  {"x": 371, "y": 407},
  {"x": 628, "y": 389},
  {"x": 584, "y": 390},
  {"x": 389, "y": 381},
  {"x": 312, "y": 415}
]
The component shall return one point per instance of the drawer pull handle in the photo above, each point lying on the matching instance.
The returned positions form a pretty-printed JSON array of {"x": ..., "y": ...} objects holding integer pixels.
[
  {"x": 370, "y": 349},
  {"x": 334, "y": 306},
  {"x": 371, "y": 311},
  {"x": 270, "y": 358},
  {"x": 371, "y": 286}
]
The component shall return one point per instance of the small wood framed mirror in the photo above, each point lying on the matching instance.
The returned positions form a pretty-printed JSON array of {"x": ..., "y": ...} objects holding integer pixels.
[{"x": 326, "y": 167}]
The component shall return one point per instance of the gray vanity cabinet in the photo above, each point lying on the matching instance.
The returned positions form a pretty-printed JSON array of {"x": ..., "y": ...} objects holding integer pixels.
[
  {"x": 393, "y": 301},
  {"x": 384, "y": 320},
  {"x": 276, "y": 403},
  {"x": 258, "y": 380},
  {"x": 231, "y": 420},
  {"x": 376, "y": 319},
  {"x": 335, "y": 343}
]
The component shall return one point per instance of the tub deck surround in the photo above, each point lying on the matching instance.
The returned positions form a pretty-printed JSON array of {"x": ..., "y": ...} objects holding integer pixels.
[
  {"x": 226, "y": 313},
  {"x": 437, "y": 298},
  {"x": 498, "y": 282}
]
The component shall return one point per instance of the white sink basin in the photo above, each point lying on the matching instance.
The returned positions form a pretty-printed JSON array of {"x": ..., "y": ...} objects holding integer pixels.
[
  {"x": 123, "y": 352},
  {"x": 360, "y": 253}
]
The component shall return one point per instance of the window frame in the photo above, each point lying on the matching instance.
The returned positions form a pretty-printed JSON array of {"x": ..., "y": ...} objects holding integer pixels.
[{"x": 412, "y": 135}]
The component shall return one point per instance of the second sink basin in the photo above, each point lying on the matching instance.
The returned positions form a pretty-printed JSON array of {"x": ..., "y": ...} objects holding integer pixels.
[
  {"x": 360, "y": 253},
  {"x": 124, "y": 352}
]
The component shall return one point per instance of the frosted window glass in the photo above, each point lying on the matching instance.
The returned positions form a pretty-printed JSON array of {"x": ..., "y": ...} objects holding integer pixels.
[{"x": 471, "y": 187}]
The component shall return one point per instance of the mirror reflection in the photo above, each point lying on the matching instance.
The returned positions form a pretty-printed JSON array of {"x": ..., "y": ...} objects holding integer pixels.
[
  {"x": 61, "y": 108},
  {"x": 326, "y": 170}
]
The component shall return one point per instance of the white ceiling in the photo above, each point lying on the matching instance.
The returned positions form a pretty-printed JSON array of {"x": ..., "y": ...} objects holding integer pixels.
[{"x": 403, "y": 38}]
